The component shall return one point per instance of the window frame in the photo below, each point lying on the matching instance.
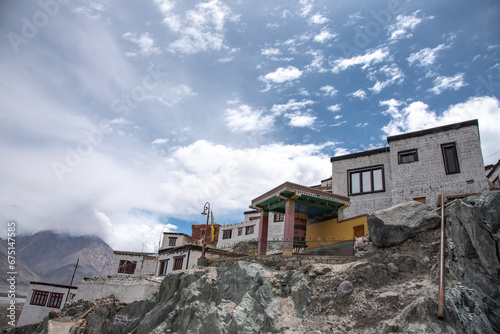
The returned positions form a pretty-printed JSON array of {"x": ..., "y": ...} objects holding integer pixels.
[
  {"x": 248, "y": 228},
  {"x": 164, "y": 266},
  {"x": 172, "y": 241},
  {"x": 405, "y": 153},
  {"x": 496, "y": 183},
  {"x": 227, "y": 234},
  {"x": 124, "y": 267},
  {"x": 39, "y": 297},
  {"x": 55, "y": 299},
  {"x": 278, "y": 217},
  {"x": 240, "y": 231},
  {"x": 453, "y": 147},
  {"x": 360, "y": 171},
  {"x": 178, "y": 262}
]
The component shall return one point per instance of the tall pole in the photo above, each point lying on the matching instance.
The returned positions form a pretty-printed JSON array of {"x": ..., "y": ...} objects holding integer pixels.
[
  {"x": 72, "y": 277},
  {"x": 203, "y": 260},
  {"x": 441, "y": 264}
]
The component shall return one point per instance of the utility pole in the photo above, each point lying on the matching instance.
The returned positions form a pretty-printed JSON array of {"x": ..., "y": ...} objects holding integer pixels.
[{"x": 72, "y": 277}]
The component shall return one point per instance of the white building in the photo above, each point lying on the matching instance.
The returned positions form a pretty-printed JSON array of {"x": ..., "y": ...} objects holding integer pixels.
[
  {"x": 134, "y": 263},
  {"x": 43, "y": 298},
  {"x": 248, "y": 230},
  {"x": 415, "y": 166},
  {"x": 173, "y": 239}
]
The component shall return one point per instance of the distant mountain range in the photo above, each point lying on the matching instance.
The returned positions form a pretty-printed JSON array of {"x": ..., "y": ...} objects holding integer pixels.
[{"x": 50, "y": 257}]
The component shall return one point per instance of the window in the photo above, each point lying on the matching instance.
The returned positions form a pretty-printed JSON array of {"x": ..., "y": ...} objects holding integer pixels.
[
  {"x": 450, "y": 158},
  {"x": 127, "y": 267},
  {"x": 367, "y": 180},
  {"x": 496, "y": 183},
  {"x": 226, "y": 234},
  {"x": 163, "y": 268},
  {"x": 178, "y": 262},
  {"x": 172, "y": 241},
  {"x": 39, "y": 297},
  {"x": 408, "y": 156},
  {"x": 249, "y": 230},
  {"x": 55, "y": 300},
  {"x": 279, "y": 217},
  {"x": 240, "y": 231}
]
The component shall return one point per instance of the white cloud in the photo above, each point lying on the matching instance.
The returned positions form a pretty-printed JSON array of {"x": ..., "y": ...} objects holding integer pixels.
[
  {"x": 145, "y": 43},
  {"x": 281, "y": 75},
  {"x": 334, "y": 108},
  {"x": 200, "y": 29},
  {"x": 392, "y": 73},
  {"x": 329, "y": 90},
  {"x": 404, "y": 26},
  {"x": 442, "y": 83},
  {"x": 160, "y": 141},
  {"x": 360, "y": 94},
  {"x": 361, "y": 125},
  {"x": 245, "y": 119},
  {"x": 417, "y": 116},
  {"x": 270, "y": 52},
  {"x": 324, "y": 36},
  {"x": 301, "y": 120},
  {"x": 318, "y": 19},
  {"x": 425, "y": 57},
  {"x": 291, "y": 105},
  {"x": 371, "y": 57}
]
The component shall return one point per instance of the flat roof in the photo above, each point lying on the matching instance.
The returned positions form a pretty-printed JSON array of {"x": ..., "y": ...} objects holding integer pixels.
[
  {"x": 438, "y": 129},
  {"x": 134, "y": 253},
  {"x": 54, "y": 285},
  {"x": 177, "y": 233},
  {"x": 310, "y": 201},
  {"x": 360, "y": 154}
]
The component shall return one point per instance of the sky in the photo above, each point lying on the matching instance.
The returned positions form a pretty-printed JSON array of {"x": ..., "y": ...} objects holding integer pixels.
[{"x": 123, "y": 118}]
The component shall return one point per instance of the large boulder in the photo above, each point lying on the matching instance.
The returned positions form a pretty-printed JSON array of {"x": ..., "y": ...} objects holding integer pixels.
[{"x": 392, "y": 226}]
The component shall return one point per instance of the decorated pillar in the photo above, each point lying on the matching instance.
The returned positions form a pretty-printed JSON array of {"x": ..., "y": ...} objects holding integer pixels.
[
  {"x": 289, "y": 227},
  {"x": 263, "y": 229},
  {"x": 299, "y": 234}
]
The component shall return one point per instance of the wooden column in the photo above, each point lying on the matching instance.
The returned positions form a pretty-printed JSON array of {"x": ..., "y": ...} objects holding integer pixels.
[
  {"x": 263, "y": 229},
  {"x": 289, "y": 227}
]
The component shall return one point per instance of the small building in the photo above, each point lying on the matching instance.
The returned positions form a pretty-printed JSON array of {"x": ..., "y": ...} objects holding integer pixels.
[
  {"x": 184, "y": 257},
  {"x": 248, "y": 230},
  {"x": 493, "y": 174},
  {"x": 307, "y": 214},
  {"x": 134, "y": 263},
  {"x": 174, "y": 239},
  {"x": 43, "y": 298},
  {"x": 415, "y": 166}
]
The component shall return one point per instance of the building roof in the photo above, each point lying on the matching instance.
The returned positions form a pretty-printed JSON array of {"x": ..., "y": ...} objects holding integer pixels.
[
  {"x": 360, "y": 154},
  {"x": 54, "y": 285},
  {"x": 192, "y": 247},
  {"x": 438, "y": 129},
  {"x": 177, "y": 233},
  {"x": 310, "y": 201},
  {"x": 134, "y": 253},
  {"x": 493, "y": 169}
]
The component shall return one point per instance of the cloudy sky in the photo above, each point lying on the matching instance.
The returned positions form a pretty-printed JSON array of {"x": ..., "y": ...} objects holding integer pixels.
[{"x": 122, "y": 118}]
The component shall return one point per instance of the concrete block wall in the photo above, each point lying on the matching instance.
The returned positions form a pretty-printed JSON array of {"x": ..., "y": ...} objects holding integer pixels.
[
  {"x": 366, "y": 203},
  {"x": 427, "y": 176}
]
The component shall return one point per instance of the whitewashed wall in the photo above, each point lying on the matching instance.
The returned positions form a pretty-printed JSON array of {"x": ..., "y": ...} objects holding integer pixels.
[{"x": 146, "y": 262}]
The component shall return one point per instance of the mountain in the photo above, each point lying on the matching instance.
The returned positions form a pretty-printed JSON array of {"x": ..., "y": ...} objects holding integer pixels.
[
  {"x": 23, "y": 273},
  {"x": 52, "y": 256}
]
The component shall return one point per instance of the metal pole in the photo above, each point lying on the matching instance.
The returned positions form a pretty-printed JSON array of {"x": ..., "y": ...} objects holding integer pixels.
[
  {"x": 441, "y": 265},
  {"x": 206, "y": 209}
]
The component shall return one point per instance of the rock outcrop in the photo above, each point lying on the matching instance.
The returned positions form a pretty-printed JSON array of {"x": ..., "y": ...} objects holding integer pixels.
[
  {"x": 383, "y": 290},
  {"x": 392, "y": 226}
]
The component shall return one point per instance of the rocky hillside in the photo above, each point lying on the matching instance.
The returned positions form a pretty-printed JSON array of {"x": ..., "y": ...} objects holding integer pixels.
[
  {"x": 384, "y": 289},
  {"x": 24, "y": 273},
  {"x": 52, "y": 256}
]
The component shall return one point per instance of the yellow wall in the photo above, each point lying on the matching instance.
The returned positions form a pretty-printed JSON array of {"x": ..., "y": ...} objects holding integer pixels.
[{"x": 333, "y": 230}]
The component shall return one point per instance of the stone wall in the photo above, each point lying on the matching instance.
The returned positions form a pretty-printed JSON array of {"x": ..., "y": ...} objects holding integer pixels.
[
  {"x": 126, "y": 289},
  {"x": 281, "y": 262},
  {"x": 427, "y": 176}
]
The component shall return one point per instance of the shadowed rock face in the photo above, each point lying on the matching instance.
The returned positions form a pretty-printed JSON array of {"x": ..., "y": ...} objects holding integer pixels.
[
  {"x": 392, "y": 226},
  {"x": 385, "y": 289}
]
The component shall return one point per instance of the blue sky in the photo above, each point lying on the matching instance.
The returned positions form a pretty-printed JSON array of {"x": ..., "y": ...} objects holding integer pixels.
[{"x": 122, "y": 118}]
